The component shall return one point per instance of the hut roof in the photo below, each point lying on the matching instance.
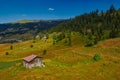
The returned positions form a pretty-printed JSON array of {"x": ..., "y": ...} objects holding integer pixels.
[{"x": 30, "y": 58}]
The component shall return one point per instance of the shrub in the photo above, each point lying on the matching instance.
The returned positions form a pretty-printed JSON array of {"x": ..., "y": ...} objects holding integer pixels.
[
  {"x": 91, "y": 40},
  {"x": 97, "y": 57},
  {"x": 6, "y": 53},
  {"x": 67, "y": 42},
  {"x": 54, "y": 36},
  {"x": 58, "y": 37},
  {"x": 34, "y": 41},
  {"x": 44, "y": 52},
  {"x": 31, "y": 46},
  {"x": 11, "y": 47}
]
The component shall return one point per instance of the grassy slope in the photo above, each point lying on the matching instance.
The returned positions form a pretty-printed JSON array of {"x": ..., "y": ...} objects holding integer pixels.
[{"x": 62, "y": 62}]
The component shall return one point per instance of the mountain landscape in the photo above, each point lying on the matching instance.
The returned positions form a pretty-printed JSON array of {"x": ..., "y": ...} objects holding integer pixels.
[
  {"x": 24, "y": 29},
  {"x": 84, "y": 47}
]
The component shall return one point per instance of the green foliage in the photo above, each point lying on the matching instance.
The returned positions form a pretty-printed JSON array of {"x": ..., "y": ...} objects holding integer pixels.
[
  {"x": 67, "y": 42},
  {"x": 54, "y": 36},
  {"x": 112, "y": 9},
  {"x": 97, "y": 57},
  {"x": 68, "y": 38},
  {"x": 41, "y": 35},
  {"x": 58, "y": 37},
  {"x": 11, "y": 47},
  {"x": 31, "y": 46},
  {"x": 91, "y": 40},
  {"x": 62, "y": 35},
  {"x": 95, "y": 23},
  {"x": 6, "y": 53},
  {"x": 114, "y": 33},
  {"x": 68, "y": 34},
  {"x": 44, "y": 52}
]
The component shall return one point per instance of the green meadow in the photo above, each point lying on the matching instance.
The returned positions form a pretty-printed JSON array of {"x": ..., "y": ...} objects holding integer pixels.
[{"x": 75, "y": 62}]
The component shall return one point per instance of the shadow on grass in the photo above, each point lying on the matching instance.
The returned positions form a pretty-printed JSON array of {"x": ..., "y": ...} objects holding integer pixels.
[{"x": 4, "y": 65}]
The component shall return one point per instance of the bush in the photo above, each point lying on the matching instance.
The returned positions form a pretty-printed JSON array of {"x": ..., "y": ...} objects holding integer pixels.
[
  {"x": 67, "y": 42},
  {"x": 58, "y": 37},
  {"x": 34, "y": 41},
  {"x": 11, "y": 47},
  {"x": 91, "y": 40},
  {"x": 44, "y": 52},
  {"x": 97, "y": 57},
  {"x": 31, "y": 46},
  {"x": 6, "y": 53}
]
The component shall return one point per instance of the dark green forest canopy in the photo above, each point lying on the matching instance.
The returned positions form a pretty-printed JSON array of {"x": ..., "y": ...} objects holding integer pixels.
[{"x": 99, "y": 23}]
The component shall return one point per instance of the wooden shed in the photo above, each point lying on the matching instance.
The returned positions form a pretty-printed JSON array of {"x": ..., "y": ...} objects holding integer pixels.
[{"x": 33, "y": 61}]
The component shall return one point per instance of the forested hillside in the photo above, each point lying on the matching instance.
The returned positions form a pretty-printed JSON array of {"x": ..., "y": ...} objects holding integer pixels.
[{"x": 96, "y": 25}]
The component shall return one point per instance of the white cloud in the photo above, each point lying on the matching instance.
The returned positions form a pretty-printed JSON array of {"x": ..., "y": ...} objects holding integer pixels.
[{"x": 51, "y": 9}]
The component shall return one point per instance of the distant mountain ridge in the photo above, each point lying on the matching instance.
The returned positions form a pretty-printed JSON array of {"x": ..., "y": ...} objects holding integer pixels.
[
  {"x": 25, "y": 29},
  {"x": 25, "y": 21}
]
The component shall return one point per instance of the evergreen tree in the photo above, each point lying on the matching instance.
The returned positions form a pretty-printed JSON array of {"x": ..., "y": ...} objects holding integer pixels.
[
  {"x": 91, "y": 40},
  {"x": 112, "y": 9},
  {"x": 54, "y": 36},
  {"x": 11, "y": 47},
  {"x": 68, "y": 36}
]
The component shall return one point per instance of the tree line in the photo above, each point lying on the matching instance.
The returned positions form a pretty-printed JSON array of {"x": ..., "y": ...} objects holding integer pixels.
[{"x": 96, "y": 25}]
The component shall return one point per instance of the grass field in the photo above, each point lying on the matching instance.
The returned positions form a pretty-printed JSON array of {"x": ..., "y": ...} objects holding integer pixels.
[{"x": 73, "y": 62}]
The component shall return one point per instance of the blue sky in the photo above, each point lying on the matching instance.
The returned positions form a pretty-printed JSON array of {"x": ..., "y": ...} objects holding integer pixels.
[{"x": 12, "y": 10}]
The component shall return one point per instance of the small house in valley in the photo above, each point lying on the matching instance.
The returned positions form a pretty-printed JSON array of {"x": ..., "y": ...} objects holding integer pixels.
[{"x": 33, "y": 61}]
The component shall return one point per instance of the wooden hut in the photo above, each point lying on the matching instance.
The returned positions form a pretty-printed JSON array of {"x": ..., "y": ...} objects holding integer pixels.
[{"x": 33, "y": 61}]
